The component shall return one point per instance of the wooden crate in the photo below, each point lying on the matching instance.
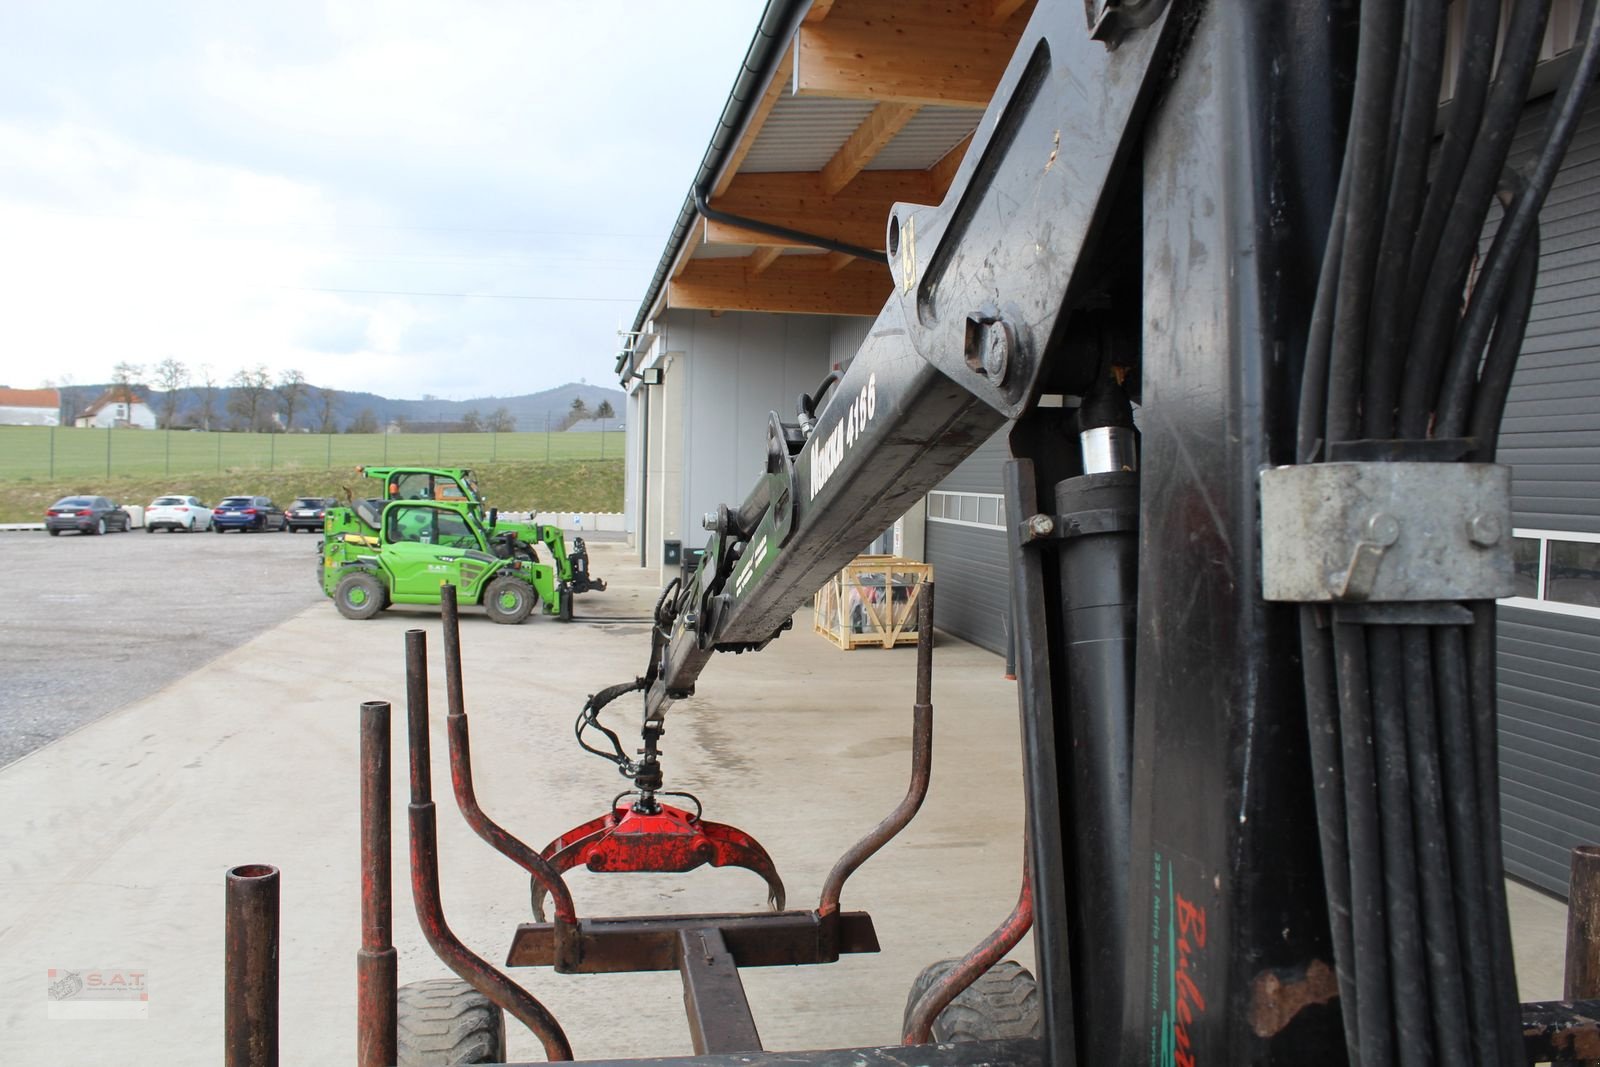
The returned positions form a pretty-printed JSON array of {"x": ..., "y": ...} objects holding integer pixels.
[{"x": 873, "y": 601}]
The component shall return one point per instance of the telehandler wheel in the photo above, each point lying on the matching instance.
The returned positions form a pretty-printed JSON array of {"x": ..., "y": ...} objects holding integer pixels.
[
  {"x": 509, "y": 600},
  {"x": 444, "y": 1021},
  {"x": 360, "y": 596},
  {"x": 1003, "y": 1003}
]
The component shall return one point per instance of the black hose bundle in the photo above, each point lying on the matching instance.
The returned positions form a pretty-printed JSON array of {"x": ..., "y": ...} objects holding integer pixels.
[{"x": 1402, "y": 719}]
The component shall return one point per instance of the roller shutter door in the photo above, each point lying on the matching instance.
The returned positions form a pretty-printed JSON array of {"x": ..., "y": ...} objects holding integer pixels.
[
  {"x": 1549, "y": 638},
  {"x": 967, "y": 547}
]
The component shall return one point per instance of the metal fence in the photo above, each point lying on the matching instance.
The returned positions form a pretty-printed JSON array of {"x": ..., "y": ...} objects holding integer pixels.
[{"x": 33, "y": 452}]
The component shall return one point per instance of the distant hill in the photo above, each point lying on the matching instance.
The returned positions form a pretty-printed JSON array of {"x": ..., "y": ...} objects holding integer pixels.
[{"x": 529, "y": 412}]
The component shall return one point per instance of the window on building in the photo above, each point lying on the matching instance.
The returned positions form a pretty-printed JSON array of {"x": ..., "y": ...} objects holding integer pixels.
[
  {"x": 983, "y": 510},
  {"x": 1556, "y": 570}
]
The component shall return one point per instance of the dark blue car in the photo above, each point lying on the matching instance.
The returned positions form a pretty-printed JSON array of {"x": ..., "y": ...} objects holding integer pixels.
[{"x": 242, "y": 513}]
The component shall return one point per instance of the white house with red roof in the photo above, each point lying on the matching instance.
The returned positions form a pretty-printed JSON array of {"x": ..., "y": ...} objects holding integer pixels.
[
  {"x": 29, "y": 407},
  {"x": 120, "y": 407}
]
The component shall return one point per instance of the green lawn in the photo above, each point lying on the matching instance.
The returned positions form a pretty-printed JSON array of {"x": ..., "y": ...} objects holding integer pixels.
[
  {"x": 43, "y": 453},
  {"x": 562, "y": 485}
]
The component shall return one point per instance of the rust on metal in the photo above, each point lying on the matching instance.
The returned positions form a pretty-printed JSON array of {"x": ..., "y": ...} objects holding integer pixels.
[
  {"x": 616, "y": 945},
  {"x": 546, "y": 880},
  {"x": 1583, "y": 925},
  {"x": 989, "y": 951},
  {"x": 471, "y": 968},
  {"x": 376, "y": 963},
  {"x": 1561, "y": 1031},
  {"x": 250, "y": 982},
  {"x": 1279, "y": 994},
  {"x": 921, "y": 766},
  {"x": 713, "y": 994}
]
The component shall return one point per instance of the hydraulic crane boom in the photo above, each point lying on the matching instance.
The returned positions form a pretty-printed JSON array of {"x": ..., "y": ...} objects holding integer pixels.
[
  {"x": 1255, "y": 641},
  {"x": 985, "y": 287}
]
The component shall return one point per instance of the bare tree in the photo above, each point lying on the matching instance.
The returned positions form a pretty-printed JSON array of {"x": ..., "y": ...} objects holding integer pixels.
[
  {"x": 127, "y": 375},
  {"x": 366, "y": 422},
  {"x": 68, "y": 397},
  {"x": 327, "y": 414},
  {"x": 171, "y": 378},
  {"x": 472, "y": 422},
  {"x": 125, "y": 378},
  {"x": 208, "y": 396},
  {"x": 250, "y": 401},
  {"x": 292, "y": 391},
  {"x": 605, "y": 410},
  {"x": 500, "y": 421}
]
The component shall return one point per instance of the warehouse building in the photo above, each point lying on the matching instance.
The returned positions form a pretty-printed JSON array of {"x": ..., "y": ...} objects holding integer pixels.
[{"x": 841, "y": 110}]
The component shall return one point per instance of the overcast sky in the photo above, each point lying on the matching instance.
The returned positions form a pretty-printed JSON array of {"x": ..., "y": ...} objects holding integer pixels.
[{"x": 218, "y": 182}]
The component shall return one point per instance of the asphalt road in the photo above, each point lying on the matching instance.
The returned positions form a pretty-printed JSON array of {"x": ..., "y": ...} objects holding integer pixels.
[{"x": 91, "y": 624}]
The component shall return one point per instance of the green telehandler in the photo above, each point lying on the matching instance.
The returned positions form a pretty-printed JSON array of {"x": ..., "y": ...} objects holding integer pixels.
[
  {"x": 456, "y": 483},
  {"x": 377, "y": 553}
]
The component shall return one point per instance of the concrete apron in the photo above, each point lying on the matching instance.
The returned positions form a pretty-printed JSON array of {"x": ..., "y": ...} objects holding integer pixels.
[{"x": 115, "y": 839}]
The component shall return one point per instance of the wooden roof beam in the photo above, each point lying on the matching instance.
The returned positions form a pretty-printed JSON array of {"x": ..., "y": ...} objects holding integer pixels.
[
  {"x": 763, "y": 257},
  {"x": 794, "y": 284},
  {"x": 1002, "y": 10},
  {"x": 855, "y": 215},
  {"x": 942, "y": 173},
  {"x": 818, "y": 10},
  {"x": 864, "y": 144},
  {"x": 897, "y": 51}
]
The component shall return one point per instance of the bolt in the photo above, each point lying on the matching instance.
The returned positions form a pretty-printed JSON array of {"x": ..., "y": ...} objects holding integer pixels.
[
  {"x": 996, "y": 352},
  {"x": 1383, "y": 529},
  {"x": 1040, "y": 526},
  {"x": 1484, "y": 530},
  {"x": 691, "y": 619},
  {"x": 709, "y": 521}
]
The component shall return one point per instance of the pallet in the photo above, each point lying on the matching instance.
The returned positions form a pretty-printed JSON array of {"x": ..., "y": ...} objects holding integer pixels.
[{"x": 871, "y": 602}]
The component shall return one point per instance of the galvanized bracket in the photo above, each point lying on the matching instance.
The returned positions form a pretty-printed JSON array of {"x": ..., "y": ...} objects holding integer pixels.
[{"x": 1385, "y": 532}]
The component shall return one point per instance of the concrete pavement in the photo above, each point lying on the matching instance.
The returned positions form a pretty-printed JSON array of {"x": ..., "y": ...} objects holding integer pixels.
[{"x": 114, "y": 839}]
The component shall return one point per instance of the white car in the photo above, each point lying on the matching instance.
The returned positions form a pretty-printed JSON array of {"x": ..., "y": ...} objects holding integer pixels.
[{"x": 184, "y": 513}]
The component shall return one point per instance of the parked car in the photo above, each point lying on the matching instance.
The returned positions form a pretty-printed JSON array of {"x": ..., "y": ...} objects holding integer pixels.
[
  {"x": 184, "y": 513},
  {"x": 244, "y": 513},
  {"x": 307, "y": 511},
  {"x": 86, "y": 514}
]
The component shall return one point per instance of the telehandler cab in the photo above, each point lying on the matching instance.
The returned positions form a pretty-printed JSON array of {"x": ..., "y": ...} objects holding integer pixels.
[
  {"x": 457, "y": 484},
  {"x": 405, "y": 551}
]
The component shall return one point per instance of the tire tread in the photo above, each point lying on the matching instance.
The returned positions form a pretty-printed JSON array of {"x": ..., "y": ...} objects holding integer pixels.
[{"x": 444, "y": 1021}]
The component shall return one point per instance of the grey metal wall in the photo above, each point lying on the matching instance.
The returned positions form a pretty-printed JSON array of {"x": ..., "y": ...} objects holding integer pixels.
[
  {"x": 969, "y": 564},
  {"x": 1549, "y": 663},
  {"x": 1549, "y": 741},
  {"x": 741, "y": 366}
]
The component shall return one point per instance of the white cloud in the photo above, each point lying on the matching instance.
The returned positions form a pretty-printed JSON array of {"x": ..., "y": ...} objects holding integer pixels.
[{"x": 239, "y": 187}]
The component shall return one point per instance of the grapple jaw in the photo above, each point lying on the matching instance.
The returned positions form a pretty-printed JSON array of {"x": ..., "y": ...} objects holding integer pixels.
[{"x": 658, "y": 839}]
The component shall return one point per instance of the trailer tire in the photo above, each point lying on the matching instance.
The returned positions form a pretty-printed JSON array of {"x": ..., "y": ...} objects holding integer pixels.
[
  {"x": 444, "y": 1021},
  {"x": 509, "y": 600},
  {"x": 1002, "y": 1004},
  {"x": 360, "y": 595}
]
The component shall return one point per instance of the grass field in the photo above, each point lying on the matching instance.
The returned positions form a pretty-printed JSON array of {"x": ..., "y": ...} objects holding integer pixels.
[
  {"x": 44, "y": 453},
  {"x": 562, "y": 485}
]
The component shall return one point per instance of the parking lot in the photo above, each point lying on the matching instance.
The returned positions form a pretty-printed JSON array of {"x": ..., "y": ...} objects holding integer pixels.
[{"x": 92, "y": 624}]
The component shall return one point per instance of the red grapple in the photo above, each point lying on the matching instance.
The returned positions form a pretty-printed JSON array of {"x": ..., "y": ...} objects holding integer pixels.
[{"x": 667, "y": 841}]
